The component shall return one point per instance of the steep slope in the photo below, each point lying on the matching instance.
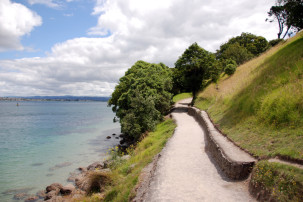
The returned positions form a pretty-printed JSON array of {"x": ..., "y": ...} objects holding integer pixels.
[{"x": 260, "y": 107}]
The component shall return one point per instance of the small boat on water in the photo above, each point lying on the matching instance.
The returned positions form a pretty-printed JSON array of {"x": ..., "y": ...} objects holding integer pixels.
[{"x": 17, "y": 104}]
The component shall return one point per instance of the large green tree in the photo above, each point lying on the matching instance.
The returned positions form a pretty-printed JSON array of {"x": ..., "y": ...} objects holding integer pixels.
[
  {"x": 194, "y": 68},
  {"x": 142, "y": 97}
]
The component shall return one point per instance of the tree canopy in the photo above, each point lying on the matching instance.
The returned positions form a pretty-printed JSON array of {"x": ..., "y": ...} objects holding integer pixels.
[
  {"x": 194, "y": 68},
  {"x": 288, "y": 14},
  {"x": 241, "y": 49},
  {"x": 142, "y": 97}
]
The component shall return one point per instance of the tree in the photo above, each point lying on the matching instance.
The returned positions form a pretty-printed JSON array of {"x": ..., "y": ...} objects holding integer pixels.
[
  {"x": 254, "y": 45},
  {"x": 274, "y": 42},
  {"x": 194, "y": 68},
  {"x": 288, "y": 14},
  {"x": 237, "y": 53},
  {"x": 294, "y": 10},
  {"x": 142, "y": 97}
]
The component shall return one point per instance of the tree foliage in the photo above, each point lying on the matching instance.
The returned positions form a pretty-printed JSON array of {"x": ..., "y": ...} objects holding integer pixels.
[
  {"x": 241, "y": 49},
  {"x": 194, "y": 68},
  {"x": 288, "y": 14},
  {"x": 142, "y": 97}
]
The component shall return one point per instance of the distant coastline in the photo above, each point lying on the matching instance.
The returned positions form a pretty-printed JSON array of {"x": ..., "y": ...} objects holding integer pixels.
[{"x": 56, "y": 98}]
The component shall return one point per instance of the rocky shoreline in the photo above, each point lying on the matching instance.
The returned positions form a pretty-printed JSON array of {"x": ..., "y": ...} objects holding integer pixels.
[{"x": 79, "y": 182}]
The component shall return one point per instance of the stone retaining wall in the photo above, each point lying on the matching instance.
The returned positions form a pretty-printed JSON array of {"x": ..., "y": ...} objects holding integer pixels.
[{"x": 234, "y": 170}]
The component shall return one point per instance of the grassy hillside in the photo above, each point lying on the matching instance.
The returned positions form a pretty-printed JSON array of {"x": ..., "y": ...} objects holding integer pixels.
[{"x": 260, "y": 107}]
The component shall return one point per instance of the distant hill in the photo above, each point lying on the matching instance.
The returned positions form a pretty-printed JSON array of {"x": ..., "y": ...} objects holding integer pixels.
[{"x": 56, "y": 98}]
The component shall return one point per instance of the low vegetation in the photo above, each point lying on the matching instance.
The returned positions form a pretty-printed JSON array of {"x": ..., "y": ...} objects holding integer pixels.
[
  {"x": 125, "y": 173},
  {"x": 279, "y": 182},
  {"x": 181, "y": 96}
]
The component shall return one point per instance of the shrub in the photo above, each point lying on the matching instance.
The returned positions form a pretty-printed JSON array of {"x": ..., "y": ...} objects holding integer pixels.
[
  {"x": 230, "y": 69},
  {"x": 274, "y": 42},
  {"x": 97, "y": 181}
]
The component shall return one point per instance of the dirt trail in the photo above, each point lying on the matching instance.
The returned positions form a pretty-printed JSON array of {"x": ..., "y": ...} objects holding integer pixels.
[{"x": 185, "y": 171}]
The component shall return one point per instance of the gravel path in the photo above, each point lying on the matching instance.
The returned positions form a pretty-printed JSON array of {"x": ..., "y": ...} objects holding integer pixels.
[{"x": 185, "y": 172}]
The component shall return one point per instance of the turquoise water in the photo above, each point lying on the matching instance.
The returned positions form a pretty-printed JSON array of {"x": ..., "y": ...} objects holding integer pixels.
[{"x": 42, "y": 142}]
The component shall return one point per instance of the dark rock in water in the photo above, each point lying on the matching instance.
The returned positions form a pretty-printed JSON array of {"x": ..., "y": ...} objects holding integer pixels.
[
  {"x": 54, "y": 187},
  {"x": 96, "y": 165},
  {"x": 16, "y": 191},
  {"x": 108, "y": 137},
  {"x": 114, "y": 134},
  {"x": 20, "y": 196},
  {"x": 122, "y": 141},
  {"x": 82, "y": 169},
  {"x": 37, "y": 164},
  {"x": 61, "y": 165},
  {"x": 68, "y": 189},
  {"x": 41, "y": 194},
  {"x": 31, "y": 198},
  {"x": 117, "y": 137}
]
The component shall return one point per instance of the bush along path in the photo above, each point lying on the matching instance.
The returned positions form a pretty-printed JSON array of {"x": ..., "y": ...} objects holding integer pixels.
[{"x": 186, "y": 171}]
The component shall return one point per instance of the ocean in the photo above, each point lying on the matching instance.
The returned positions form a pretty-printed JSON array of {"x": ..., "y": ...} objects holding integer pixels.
[{"x": 43, "y": 142}]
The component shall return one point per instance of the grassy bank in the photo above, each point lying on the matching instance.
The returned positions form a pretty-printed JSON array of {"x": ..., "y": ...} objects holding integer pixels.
[
  {"x": 277, "y": 182},
  {"x": 125, "y": 173},
  {"x": 260, "y": 107},
  {"x": 181, "y": 96}
]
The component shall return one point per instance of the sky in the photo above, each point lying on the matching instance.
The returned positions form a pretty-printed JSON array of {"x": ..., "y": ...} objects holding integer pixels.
[{"x": 83, "y": 47}]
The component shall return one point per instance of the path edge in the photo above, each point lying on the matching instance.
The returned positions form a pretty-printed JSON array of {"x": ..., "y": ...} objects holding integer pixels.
[{"x": 234, "y": 170}]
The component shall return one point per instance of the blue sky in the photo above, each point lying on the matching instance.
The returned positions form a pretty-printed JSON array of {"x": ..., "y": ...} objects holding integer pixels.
[
  {"x": 69, "y": 20},
  {"x": 83, "y": 47}
]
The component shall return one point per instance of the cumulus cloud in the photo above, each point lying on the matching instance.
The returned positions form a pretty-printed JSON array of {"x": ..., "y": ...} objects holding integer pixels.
[
  {"x": 16, "y": 20},
  {"x": 154, "y": 31}
]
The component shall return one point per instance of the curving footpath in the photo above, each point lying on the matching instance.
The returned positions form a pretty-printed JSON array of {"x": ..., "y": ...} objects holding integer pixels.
[{"x": 187, "y": 172}]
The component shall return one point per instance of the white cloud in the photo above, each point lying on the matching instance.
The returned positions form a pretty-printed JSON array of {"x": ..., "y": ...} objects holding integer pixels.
[
  {"x": 49, "y": 3},
  {"x": 154, "y": 31},
  {"x": 16, "y": 20}
]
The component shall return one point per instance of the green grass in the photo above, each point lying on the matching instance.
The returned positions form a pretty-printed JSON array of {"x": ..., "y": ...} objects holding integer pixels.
[
  {"x": 181, "y": 96},
  {"x": 260, "y": 107},
  {"x": 282, "y": 182},
  {"x": 125, "y": 173}
]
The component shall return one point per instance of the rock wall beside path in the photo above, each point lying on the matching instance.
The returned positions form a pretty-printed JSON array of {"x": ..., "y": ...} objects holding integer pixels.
[{"x": 235, "y": 164}]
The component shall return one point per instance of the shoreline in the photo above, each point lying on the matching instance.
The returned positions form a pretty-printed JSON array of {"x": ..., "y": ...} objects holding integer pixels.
[{"x": 31, "y": 193}]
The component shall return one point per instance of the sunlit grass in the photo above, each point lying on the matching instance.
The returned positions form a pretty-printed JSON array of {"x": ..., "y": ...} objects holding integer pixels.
[
  {"x": 125, "y": 173},
  {"x": 181, "y": 96},
  {"x": 261, "y": 105},
  {"x": 283, "y": 182}
]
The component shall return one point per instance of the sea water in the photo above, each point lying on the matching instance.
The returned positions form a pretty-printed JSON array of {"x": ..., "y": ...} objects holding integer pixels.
[{"x": 43, "y": 142}]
